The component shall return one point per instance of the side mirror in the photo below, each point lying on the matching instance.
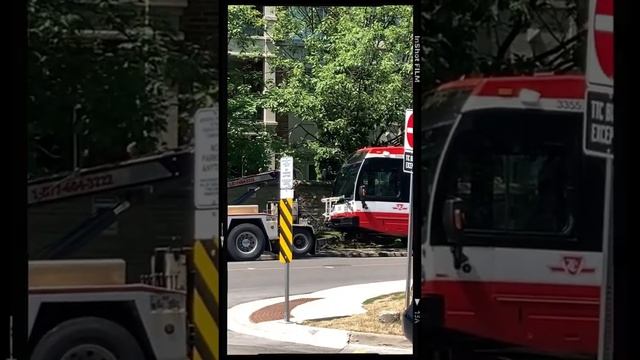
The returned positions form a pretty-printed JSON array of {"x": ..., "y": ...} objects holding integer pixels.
[
  {"x": 453, "y": 219},
  {"x": 362, "y": 191}
]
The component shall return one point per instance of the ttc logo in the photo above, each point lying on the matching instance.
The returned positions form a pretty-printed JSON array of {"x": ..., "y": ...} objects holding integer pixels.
[
  {"x": 400, "y": 207},
  {"x": 573, "y": 265}
]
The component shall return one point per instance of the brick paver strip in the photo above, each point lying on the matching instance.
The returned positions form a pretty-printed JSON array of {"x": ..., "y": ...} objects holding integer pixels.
[{"x": 276, "y": 311}]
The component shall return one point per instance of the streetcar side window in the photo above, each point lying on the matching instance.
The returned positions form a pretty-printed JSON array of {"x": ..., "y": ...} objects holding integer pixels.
[
  {"x": 518, "y": 174},
  {"x": 384, "y": 180}
]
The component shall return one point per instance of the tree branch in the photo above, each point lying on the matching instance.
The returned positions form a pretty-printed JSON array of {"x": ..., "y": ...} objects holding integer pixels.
[
  {"x": 561, "y": 46},
  {"x": 377, "y": 140},
  {"x": 507, "y": 42},
  {"x": 305, "y": 130},
  {"x": 46, "y": 152},
  {"x": 386, "y": 126},
  {"x": 546, "y": 26},
  {"x": 495, "y": 29}
]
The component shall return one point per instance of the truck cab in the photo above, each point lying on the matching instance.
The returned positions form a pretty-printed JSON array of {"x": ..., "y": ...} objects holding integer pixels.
[
  {"x": 251, "y": 232},
  {"x": 512, "y": 221}
]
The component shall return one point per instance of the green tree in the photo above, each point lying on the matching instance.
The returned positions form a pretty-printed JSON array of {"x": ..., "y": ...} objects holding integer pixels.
[
  {"x": 451, "y": 31},
  {"x": 250, "y": 145},
  {"x": 105, "y": 72},
  {"x": 347, "y": 70}
]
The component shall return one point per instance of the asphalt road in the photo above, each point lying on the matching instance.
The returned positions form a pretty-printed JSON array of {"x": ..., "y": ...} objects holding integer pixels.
[{"x": 255, "y": 280}]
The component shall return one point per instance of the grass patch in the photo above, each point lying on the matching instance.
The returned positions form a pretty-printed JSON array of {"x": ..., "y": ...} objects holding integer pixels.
[
  {"x": 368, "y": 322},
  {"x": 389, "y": 297}
]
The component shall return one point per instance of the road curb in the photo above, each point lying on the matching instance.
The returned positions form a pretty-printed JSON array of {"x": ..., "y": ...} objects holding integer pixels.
[
  {"x": 372, "y": 339},
  {"x": 239, "y": 320}
]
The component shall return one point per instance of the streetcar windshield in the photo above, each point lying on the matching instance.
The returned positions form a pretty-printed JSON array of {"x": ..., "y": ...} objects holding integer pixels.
[{"x": 346, "y": 180}]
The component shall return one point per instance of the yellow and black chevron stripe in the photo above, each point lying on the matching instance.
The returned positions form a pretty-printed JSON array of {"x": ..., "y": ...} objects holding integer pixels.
[
  {"x": 285, "y": 225},
  {"x": 206, "y": 300}
]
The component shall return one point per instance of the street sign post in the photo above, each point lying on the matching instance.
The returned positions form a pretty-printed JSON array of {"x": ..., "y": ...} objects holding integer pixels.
[
  {"x": 598, "y": 137},
  {"x": 205, "y": 259},
  {"x": 285, "y": 223},
  {"x": 407, "y": 160}
]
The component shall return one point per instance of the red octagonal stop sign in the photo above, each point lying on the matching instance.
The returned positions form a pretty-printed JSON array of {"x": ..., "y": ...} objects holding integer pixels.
[
  {"x": 603, "y": 35},
  {"x": 409, "y": 131}
]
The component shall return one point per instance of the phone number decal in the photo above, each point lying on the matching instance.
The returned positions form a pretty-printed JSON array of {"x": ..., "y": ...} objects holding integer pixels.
[{"x": 70, "y": 187}]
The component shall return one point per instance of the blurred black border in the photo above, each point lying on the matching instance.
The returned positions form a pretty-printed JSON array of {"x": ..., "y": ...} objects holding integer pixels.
[
  {"x": 222, "y": 156},
  {"x": 624, "y": 256},
  {"x": 223, "y": 153},
  {"x": 16, "y": 223},
  {"x": 416, "y": 209}
]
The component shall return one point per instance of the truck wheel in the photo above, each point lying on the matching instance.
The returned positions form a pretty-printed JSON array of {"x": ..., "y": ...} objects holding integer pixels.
[
  {"x": 246, "y": 242},
  {"x": 302, "y": 242},
  {"x": 87, "y": 338}
]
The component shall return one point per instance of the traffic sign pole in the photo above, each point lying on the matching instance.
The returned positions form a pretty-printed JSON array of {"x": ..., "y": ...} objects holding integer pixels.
[
  {"x": 605, "y": 335},
  {"x": 285, "y": 228},
  {"x": 598, "y": 141},
  {"x": 286, "y": 293},
  {"x": 285, "y": 224},
  {"x": 409, "y": 246},
  {"x": 206, "y": 249}
]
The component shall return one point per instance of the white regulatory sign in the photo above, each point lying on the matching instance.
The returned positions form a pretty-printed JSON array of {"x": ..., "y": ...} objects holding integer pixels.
[
  {"x": 206, "y": 182},
  {"x": 407, "y": 158},
  {"x": 598, "y": 132},
  {"x": 286, "y": 177}
]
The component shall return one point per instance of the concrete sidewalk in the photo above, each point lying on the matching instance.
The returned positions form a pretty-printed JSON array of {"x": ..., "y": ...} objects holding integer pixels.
[{"x": 340, "y": 301}]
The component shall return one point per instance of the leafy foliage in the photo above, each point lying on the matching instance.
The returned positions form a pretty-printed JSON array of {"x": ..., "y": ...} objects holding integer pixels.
[
  {"x": 107, "y": 73},
  {"x": 477, "y": 37},
  {"x": 347, "y": 71},
  {"x": 250, "y": 145},
  {"x": 345, "y": 74}
]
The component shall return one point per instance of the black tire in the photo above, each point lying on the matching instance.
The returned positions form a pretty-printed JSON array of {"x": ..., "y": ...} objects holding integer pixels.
[
  {"x": 246, "y": 242},
  {"x": 302, "y": 242},
  {"x": 87, "y": 338}
]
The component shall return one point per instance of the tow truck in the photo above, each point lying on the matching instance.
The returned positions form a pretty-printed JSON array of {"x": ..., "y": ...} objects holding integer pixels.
[
  {"x": 251, "y": 232},
  {"x": 512, "y": 232},
  {"x": 86, "y": 308},
  {"x": 370, "y": 197}
]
